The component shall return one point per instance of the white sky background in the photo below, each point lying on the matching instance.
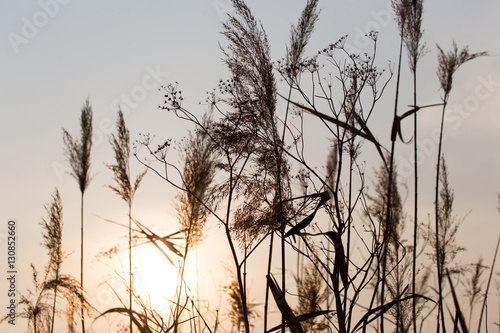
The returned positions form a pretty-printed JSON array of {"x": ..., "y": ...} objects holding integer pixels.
[{"x": 106, "y": 50}]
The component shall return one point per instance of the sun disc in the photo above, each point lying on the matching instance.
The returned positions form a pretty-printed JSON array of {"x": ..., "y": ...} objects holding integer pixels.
[{"x": 155, "y": 278}]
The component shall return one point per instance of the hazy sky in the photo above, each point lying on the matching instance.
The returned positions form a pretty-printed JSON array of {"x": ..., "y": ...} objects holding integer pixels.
[{"x": 55, "y": 54}]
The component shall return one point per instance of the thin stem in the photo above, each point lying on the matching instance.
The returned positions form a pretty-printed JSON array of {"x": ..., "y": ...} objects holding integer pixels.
[
  {"x": 437, "y": 245},
  {"x": 283, "y": 277},
  {"x": 178, "y": 309},
  {"x": 266, "y": 304},
  {"x": 198, "y": 286},
  {"x": 279, "y": 159},
  {"x": 130, "y": 260},
  {"x": 232, "y": 186},
  {"x": 488, "y": 287},
  {"x": 389, "y": 191},
  {"x": 286, "y": 113},
  {"x": 415, "y": 212},
  {"x": 245, "y": 271},
  {"x": 54, "y": 304},
  {"x": 81, "y": 264},
  {"x": 349, "y": 216}
]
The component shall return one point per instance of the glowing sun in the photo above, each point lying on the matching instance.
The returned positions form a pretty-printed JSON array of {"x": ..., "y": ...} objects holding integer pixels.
[{"x": 154, "y": 277}]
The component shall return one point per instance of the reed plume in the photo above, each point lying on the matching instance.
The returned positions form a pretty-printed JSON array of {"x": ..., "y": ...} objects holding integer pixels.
[
  {"x": 124, "y": 187},
  {"x": 39, "y": 305},
  {"x": 77, "y": 152},
  {"x": 448, "y": 64},
  {"x": 52, "y": 240}
]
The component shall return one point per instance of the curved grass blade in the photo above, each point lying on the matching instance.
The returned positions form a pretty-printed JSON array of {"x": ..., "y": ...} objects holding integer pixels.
[
  {"x": 133, "y": 314},
  {"x": 364, "y": 132},
  {"x": 380, "y": 310},
  {"x": 458, "y": 311},
  {"x": 290, "y": 318},
  {"x": 304, "y": 317}
]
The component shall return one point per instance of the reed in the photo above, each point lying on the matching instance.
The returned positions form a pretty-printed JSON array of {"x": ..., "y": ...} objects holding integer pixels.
[
  {"x": 125, "y": 188},
  {"x": 77, "y": 151},
  {"x": 448, "y": 64}
]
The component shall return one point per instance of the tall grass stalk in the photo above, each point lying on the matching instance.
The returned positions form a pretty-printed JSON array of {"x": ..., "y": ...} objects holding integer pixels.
[
  {"x": 299, "y": 37},
  {"x": 392, "y": 229},
  {"x": 448, "y": 64},
  {"x": 254, "y": 97},
  {"x": 52, "y": 240},
  {"x": 40, "y": 305},
  {"x": 416, "y": 50},
  {"x": 77, "y": 152},
  {"x": 198, "y": 175},
  {"x": 402, "y": 17},
  {"x": 353, "y": 149},
  {"x": 120, "y": 142}
]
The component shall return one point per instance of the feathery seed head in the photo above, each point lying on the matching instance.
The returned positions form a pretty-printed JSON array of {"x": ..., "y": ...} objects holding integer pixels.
[
  {"x": 78, "y": 151},
  {"x": 448, "y": 64}
]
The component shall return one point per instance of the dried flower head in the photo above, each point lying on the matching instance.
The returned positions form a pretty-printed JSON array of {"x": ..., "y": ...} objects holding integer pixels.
[
  {"x": 300, "y": 35},
  {"x": 78, "y": 151},
  {"x": 249, "y": 60},
  {"x": 52, "y": 232},
  {"x": 449, "y": 63},
  {"x": 198, "y": 174},
  {"x": 173, "y": 97},
  {"x": 121, "y": 170},
  {"x": 402, "y": 10},
  {"x": 413, "y": 34}
]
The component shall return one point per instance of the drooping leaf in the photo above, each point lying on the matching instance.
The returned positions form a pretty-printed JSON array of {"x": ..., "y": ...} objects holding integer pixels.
[
  {"x": 364, "y": 132},
  {"x": 459, "y": 313},
  {"x": 169, "y": 245},
  {"x": 340, "y": 265},
  {"x": 302, "y": 224},
  {"x": 286, "y": 311},
  {"x": 134, "y": 314},
  {"x": 312, "y": 315},
  {"x": 325, "y": 195},
  {"x": 380, "y": 310},
  {"x": 303, "y": 317},
  {"x": 153, "y": 238},
  {"x": 396, "y": 125}
]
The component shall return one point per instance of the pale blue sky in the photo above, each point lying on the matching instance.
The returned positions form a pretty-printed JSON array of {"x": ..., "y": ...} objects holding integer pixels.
[{"x": 107, "y": 50}]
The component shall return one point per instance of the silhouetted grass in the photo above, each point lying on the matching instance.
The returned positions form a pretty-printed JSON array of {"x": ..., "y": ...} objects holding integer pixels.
[
  {"x": 448, "y": 64},
  {"x": 124, "y": 186},
  {"x": 77, "y": 151},
  {"x": 39, "y": 306},
  {"x": 354, "y": 265}
]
